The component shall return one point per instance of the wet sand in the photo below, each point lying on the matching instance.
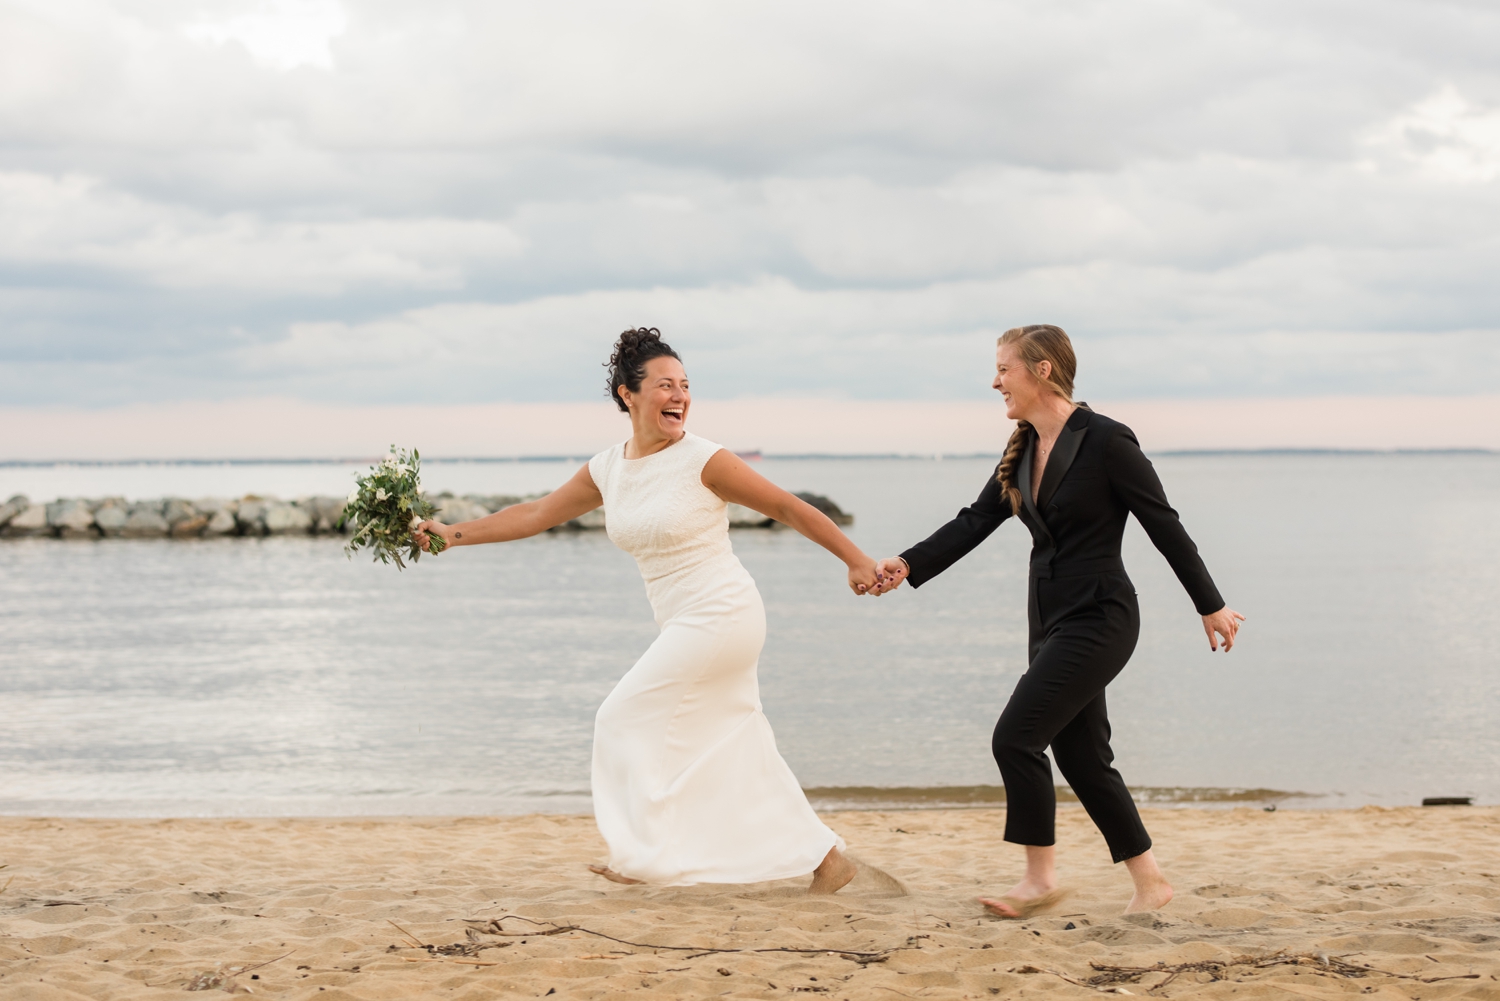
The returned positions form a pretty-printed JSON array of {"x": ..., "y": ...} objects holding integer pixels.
[{"x": 138, "y": 909}]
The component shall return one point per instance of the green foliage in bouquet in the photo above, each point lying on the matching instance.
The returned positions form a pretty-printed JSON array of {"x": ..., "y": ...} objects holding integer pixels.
[{"x": 385, "y": 505}]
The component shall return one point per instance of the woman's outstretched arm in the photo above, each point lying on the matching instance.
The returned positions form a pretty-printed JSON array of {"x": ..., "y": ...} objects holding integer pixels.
[
  {"x": 1134, "y": 480},
  {"x": 519, "y": 521},
  {"x": 952, "y": 542},
  {"x": 727, "y": 475}
]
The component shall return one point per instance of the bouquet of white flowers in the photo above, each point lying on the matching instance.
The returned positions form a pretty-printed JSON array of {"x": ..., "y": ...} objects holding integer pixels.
[{"x": 384, "y": 507}]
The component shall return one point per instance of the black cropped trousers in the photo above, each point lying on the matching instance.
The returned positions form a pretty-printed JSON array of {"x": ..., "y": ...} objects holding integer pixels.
[{"x": 1083, "y": 629}]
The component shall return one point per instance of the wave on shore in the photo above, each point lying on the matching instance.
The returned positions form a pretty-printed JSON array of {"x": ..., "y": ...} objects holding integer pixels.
[{"x": 947, "y": 797}]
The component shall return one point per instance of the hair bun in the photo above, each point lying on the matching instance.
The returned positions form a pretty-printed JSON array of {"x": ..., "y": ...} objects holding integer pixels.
[{"x": 627, "y": 363}]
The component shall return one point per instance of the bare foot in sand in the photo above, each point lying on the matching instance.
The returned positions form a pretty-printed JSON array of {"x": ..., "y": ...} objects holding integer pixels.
[
  {"x": 1153, "y": 899},
  {"x": 1152, "y": 891},
  {"x": 1037, "y": 891},
  {"x": 833, "y": 874},
  {"x": 1024, "y": 899},
  {"x": 612, "y": 876}
]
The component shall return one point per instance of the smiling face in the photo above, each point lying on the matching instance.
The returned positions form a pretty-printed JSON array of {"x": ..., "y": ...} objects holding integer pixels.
[
  {"x": 660, "y": 408},
  {"x": 1023, "y": 391}
]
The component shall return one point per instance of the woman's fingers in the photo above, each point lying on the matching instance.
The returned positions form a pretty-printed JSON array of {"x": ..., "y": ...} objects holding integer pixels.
[
  {"x": 863, "y": 578},
  {"x": 1232, "y": 620},
  {"x": 1223, "y": 623},
  {"x": 892, "y": 572}
]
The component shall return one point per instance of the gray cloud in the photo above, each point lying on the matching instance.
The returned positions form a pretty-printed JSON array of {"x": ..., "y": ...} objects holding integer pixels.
[{"x": 463, "y": 201}]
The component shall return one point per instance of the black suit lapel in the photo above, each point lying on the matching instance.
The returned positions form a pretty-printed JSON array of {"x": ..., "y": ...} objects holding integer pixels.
[
  {"x": 1023, "y": 480},
  {"x": 1063, "y": 455}
]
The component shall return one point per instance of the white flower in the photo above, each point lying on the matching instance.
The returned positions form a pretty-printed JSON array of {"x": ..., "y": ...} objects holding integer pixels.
[
  {"x": 415, "y": 521},
  {"x": 353, "y": 496},
  {"x": 380, "y": 493}
]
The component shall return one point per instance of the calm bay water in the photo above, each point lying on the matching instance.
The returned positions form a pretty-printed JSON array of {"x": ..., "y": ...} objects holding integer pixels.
[{"x": 273, "y": 676}]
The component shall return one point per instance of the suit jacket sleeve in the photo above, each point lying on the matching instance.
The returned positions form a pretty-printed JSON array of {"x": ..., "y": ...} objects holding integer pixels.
[
  {"x": 1134, "y": 480},
  {"x": 953, "y": 541}
]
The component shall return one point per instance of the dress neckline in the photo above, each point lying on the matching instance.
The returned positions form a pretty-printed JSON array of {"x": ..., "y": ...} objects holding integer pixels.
[{"x": 643, "y": 458}]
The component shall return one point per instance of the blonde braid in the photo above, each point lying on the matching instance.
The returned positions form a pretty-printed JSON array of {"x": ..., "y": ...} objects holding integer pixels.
[{"x": 1007, "y": 471}]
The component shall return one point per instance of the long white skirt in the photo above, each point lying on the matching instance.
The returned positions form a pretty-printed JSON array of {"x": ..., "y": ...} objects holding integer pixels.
[{"x": 688, "y": 785}]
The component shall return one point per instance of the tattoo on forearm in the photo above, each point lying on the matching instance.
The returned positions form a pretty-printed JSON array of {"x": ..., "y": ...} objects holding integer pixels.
[{"x": 458, "y": 535}]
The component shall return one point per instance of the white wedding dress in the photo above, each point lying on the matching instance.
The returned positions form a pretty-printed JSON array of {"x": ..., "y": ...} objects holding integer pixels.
[{"x": 688, "y": 785}]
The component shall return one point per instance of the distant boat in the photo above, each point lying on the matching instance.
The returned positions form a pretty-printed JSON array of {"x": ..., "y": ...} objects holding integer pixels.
[{"x": 751, "y": 456}]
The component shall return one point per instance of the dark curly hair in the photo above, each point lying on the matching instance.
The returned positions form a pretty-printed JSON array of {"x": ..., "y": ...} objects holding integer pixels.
[{"x": 627, "y": 364}]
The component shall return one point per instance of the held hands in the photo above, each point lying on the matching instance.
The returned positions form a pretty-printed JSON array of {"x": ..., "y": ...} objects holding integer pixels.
[
  {"x": 1226, "y": 623},
  {"x": 878, "y": 578}
]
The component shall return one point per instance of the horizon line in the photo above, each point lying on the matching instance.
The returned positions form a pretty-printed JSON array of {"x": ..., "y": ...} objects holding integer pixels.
[{"x": 795, "y": 456}]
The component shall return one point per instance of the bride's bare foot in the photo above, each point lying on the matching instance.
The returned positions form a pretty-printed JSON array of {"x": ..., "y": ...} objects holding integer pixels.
[
  {"x": 612, "y": 876},
  {"x": 833, "y": 874},
  {"x": 1152, "y": 897}
]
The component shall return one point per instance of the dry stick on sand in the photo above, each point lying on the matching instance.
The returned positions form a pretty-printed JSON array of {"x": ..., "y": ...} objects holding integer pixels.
[
  {"x": 222, "y": 979},
  {"x": 472, "y": 947},
  {"x": 418, "y": 943},
  {"x": 1110, "y": 977},
  {"x": 494, "y": 927}
]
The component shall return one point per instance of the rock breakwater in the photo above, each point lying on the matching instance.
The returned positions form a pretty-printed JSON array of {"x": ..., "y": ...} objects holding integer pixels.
[{"x": 254, "y": 516}]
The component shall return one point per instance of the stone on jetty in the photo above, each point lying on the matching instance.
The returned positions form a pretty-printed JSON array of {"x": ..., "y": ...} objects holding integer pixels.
[
  {"x": 29, "y": 521},
  {"x": 70, "y": 518},
  {"x": 110, "y": 517},
  {"x": 11, "y": 508},
  {"x": 248, "y": 516},
  {"x": 286, "y": 519},
  {"x": 145, "y": 522},
  {"x": 184, "y": 520},
  {"x": 221, "y": 523},
  {"x": 114, "y": 517},
  {"x": 325, "y": 511},
  {"x": 190, "y": 528},
  {"x": 175, "y": 509}
]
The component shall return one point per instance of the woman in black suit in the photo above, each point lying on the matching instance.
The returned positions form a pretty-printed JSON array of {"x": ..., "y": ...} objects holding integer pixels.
[{"x": 1072, "y": 477}]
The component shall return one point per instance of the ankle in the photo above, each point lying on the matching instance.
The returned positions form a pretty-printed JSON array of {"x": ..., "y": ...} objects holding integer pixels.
[{"x": 1034, "y": 883}]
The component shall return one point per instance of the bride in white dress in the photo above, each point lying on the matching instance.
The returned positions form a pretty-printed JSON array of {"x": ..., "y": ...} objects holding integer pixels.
[{"x": 688, "y": 785}]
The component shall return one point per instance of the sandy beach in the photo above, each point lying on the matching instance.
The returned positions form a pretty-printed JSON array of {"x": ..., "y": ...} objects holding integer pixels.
[{"x": 373, "y": 909}]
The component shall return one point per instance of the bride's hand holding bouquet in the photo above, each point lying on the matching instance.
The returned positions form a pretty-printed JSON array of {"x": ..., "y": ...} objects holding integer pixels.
[
  {"x": 386, "y": 506},
  {"x": 433, "y": 536}
]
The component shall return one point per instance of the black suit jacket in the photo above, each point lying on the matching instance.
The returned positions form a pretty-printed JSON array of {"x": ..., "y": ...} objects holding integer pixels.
[{"x": 1096, "y": 477}]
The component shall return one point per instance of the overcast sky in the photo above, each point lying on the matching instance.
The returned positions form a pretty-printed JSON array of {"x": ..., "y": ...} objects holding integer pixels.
[{"x": 463, "y": 201}]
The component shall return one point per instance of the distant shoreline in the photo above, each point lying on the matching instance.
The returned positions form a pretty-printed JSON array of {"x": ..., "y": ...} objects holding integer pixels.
[
  {"x": 817, "y": 456},
  {"x": 570, "y": 802}
]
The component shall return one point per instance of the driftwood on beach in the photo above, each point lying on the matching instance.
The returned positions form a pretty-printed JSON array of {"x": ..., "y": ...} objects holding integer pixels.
[{"x": 213, "y": 517}]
